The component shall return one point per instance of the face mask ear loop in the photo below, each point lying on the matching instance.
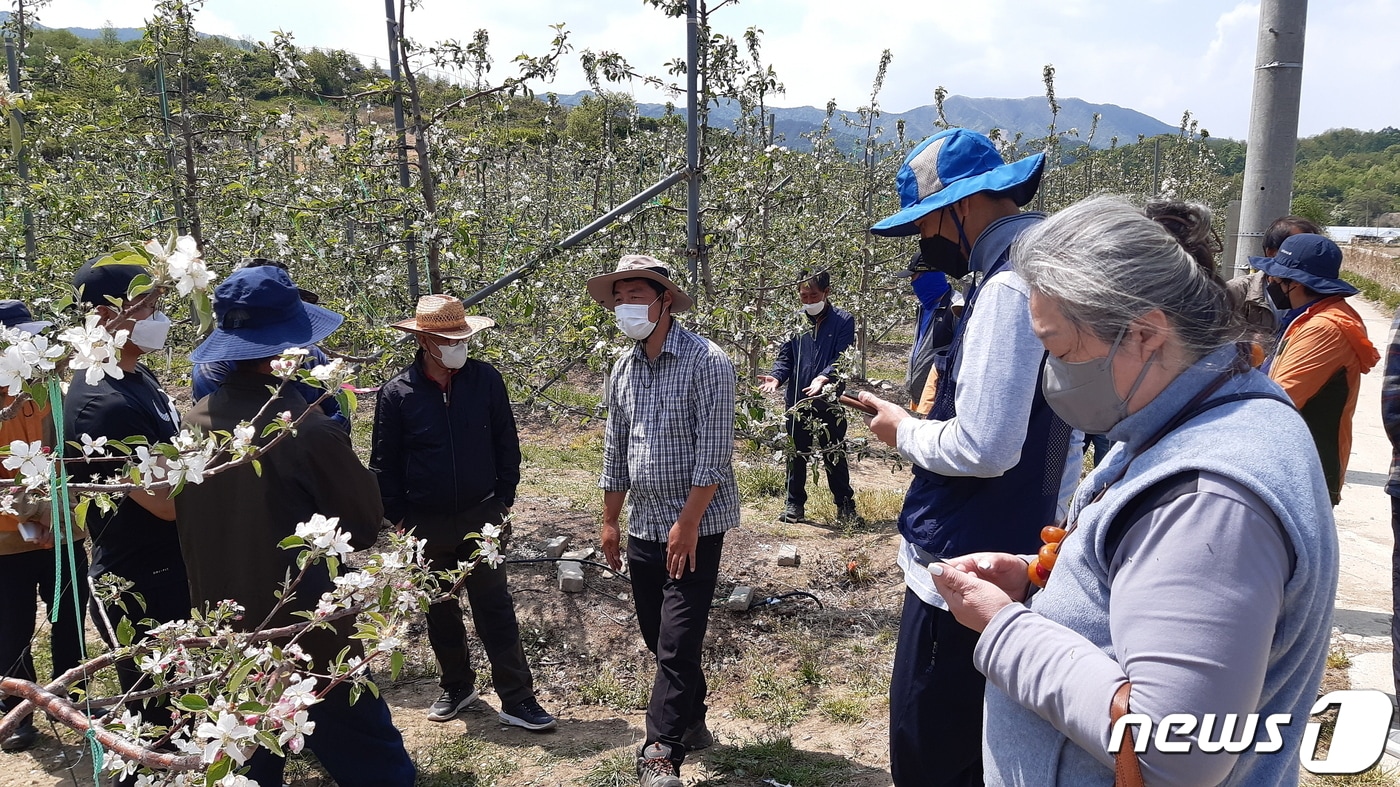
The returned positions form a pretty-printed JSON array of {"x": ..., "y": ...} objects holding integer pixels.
[
  {"x": 1142, "y": 375},
  {"x": 962, "y": 236}
]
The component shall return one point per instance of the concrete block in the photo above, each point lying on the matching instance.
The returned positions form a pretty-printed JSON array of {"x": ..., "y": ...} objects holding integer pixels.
[
  {"x": 578, "y": 554},
  {"x": 787, "y": 555},
  {"x": 740, "y": 600},
  {"x": 570, "y": 577},
  {"x": 555, "y": 547}
]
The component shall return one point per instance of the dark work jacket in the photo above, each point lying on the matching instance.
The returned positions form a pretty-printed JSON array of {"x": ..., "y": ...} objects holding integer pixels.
[
  {"x": 444, "y": 452},
  {"x": 955, "y": 515},
  {"x": 230, "y": 525},
  {"x": 812, "y": 353}
]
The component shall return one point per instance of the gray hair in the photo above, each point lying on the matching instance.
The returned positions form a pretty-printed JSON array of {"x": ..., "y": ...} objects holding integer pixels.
[{"x": 1104, "y": 264}]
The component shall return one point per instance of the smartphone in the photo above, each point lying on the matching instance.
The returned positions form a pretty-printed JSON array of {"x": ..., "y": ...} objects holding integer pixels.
[
  {"x": 30, "y": 531},
  {"x": 856, "y": 404},
  {"x": 924, "y": 557}
]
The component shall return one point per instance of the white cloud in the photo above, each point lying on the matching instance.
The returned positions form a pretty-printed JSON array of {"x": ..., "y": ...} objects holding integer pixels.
[{"x": 1152, "y": 55}]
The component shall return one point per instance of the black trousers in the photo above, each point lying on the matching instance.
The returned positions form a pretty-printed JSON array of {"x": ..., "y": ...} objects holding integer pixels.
[
  {"x": 673, "y": 615},
  {"x": 823, "y": 426},
  {"x": 492, "y": 607},
  {"x": 935, "y": 700},
  {"x": 166, "y": 599},
  {"x": 23, "y": 578}
]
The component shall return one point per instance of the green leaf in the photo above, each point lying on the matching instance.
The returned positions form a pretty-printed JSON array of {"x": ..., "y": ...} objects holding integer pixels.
[
  {"x": 218, "y": 771},
  {"x": 270, "y": 742},
  {"x": 347, "y": 400},
  {"x": 192, "y": 703},
  {"x": 240, "y": 674},
  {"x": 257, "y": 468},
  {"x": 125, "y": 632},
  {"x": 81, "y": 511},
  {"x": 291, "y": 542},
  {"x": 395, "y": 664}
]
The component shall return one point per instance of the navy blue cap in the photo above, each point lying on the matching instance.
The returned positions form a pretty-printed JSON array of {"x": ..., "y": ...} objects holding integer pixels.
[
  {"x": 258, "y": 313},
  {"x": 1311, "y": 260},
  {"x": 95, "y": 283},
  {"x": 14, "y": 314}
]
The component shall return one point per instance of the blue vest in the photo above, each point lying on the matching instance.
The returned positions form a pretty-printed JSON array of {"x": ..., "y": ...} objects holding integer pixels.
[{"x": 955, "y": 515}]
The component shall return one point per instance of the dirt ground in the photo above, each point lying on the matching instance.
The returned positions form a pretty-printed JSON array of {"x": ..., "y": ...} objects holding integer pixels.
[{"x": 816, "y": 673}]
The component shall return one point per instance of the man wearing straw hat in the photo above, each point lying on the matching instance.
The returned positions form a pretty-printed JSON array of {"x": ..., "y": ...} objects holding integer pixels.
[
  {"x": 448, "y": 459},
  {"x": 231, "y": 524},
  {"x": 669, "y": 447}
]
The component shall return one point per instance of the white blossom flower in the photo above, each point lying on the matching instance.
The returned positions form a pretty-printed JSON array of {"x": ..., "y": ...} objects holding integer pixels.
[
  {"x": 226, "y": 735},
  {"x": 30, "y": 461},
  {"x": 316, "y": 526},
  {"x": 189, "y": 274},
  {"x": 329, "y": 372},
  {"x": 293, "y": 730},
  {"x": 491, "y": 531},
  {"x": 94, "y": 349},
  {"x": 336, "y": 543},
  {"x": 150, "y": 467},
  {"x": 243, "y": 435},
  {"x": 189, "y": 468},
  {"x": 355, "y": 583},
  {"x": 94, "y": 447}
]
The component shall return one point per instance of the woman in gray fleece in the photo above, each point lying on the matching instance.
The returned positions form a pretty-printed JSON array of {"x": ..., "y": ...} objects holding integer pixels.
[{"x": 1201, "y": 559}]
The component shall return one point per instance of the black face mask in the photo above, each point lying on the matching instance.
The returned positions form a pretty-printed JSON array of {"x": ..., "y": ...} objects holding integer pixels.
[
  {"x": 944, "y": 255},
  {"x": 1278, "y": 295}
]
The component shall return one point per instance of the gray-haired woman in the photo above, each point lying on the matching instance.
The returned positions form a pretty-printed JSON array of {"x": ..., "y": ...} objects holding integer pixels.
[{"x": 1200, "y": 564}]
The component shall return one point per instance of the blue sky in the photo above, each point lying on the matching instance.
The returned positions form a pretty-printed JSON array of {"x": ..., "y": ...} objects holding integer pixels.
[{"x": 1155, "y": 56}]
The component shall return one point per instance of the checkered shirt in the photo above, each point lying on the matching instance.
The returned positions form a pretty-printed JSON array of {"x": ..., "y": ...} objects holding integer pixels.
[{"x": 670, "y": 428}]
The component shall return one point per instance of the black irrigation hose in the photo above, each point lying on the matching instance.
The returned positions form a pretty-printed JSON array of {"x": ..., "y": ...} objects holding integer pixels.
[
  {"x": 604, "y": 566},
  {"x": 755, "y": 604},
  {"x": 771, "y": 600}
]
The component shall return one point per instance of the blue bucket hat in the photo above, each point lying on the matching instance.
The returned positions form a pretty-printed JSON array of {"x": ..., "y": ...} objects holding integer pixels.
[
  {"x": 14, "y": 314},
  {"x": 1311, "y": 260},
  {"x": 258, "y": 313},
  {"x": 950, "y": 165}
]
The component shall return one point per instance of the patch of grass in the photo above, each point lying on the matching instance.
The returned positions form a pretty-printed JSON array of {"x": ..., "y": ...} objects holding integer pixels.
[
  {"x": 1338, "y": 659},
  {"x": 874, "y": 506},
  {"x": 464, "y": 761},
  {"x": 759, "y": 480},
  {"x": 616, "y": 688},
  {"x": 583, "y": 452},
  {"x": 777, "y": 759},
  {"x": 843, "y": 710},
  {"x": 777, "y": 700},
  {"x": 618, "y": 769}
]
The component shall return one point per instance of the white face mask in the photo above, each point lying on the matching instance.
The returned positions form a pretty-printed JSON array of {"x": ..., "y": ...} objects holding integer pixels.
[
  {"x": 149, "y": 334},
  {"x": 453, "y": 356},
  {"x": 632, "y": 320},
  {"x": 814, "y": 309}
]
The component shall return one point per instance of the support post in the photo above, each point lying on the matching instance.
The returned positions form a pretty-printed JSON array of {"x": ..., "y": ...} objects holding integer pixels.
[
  {"x": 1273, "y": 123},
  {"x": 17, "y": 148},
  {"x": 401, "y": 141}
]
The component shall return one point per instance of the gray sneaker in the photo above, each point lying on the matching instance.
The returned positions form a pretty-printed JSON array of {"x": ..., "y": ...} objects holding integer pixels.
[
  {"x": 451, "y": 703},
  {"x": 655, "y": 769}
]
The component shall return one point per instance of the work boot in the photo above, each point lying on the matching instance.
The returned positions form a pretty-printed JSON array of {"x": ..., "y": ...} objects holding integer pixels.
[
  {"x": 25, "y": 736},
  {"x": 697, "y": 736},
  {"x": 792, "y": 514},
  {"x": 655, "y": 769},
  {"x": 846, "y": 514}
]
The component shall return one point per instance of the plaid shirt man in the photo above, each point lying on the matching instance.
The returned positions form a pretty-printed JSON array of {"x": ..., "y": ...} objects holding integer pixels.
[{"x": 670, "y": 428}]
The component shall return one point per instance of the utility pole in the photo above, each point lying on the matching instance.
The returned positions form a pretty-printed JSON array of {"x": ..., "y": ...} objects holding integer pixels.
[
  {"x": 692, "y": 143},
  {"x": 402, "y": 141},
  {"x": 1273, "y": 123}
]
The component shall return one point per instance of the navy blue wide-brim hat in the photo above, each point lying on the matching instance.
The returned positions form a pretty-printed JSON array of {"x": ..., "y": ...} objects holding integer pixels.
[
  {"x": 953, "y": 164},
  {"x": 258, "y": 313},
  {"x": 1311, "y": 260},
  {"x": 14, "y": 314}
]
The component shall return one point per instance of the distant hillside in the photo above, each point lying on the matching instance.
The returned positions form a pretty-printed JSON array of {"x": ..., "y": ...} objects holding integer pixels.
[
  {"x": 1027, "y": 116},
  {"x": 122, "y": 33}
]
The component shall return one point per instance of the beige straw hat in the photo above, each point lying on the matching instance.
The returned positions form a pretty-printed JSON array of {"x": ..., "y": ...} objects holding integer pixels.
[
  {"x": 443, "y": 315},
  {"x": 638, "y": 266}
]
